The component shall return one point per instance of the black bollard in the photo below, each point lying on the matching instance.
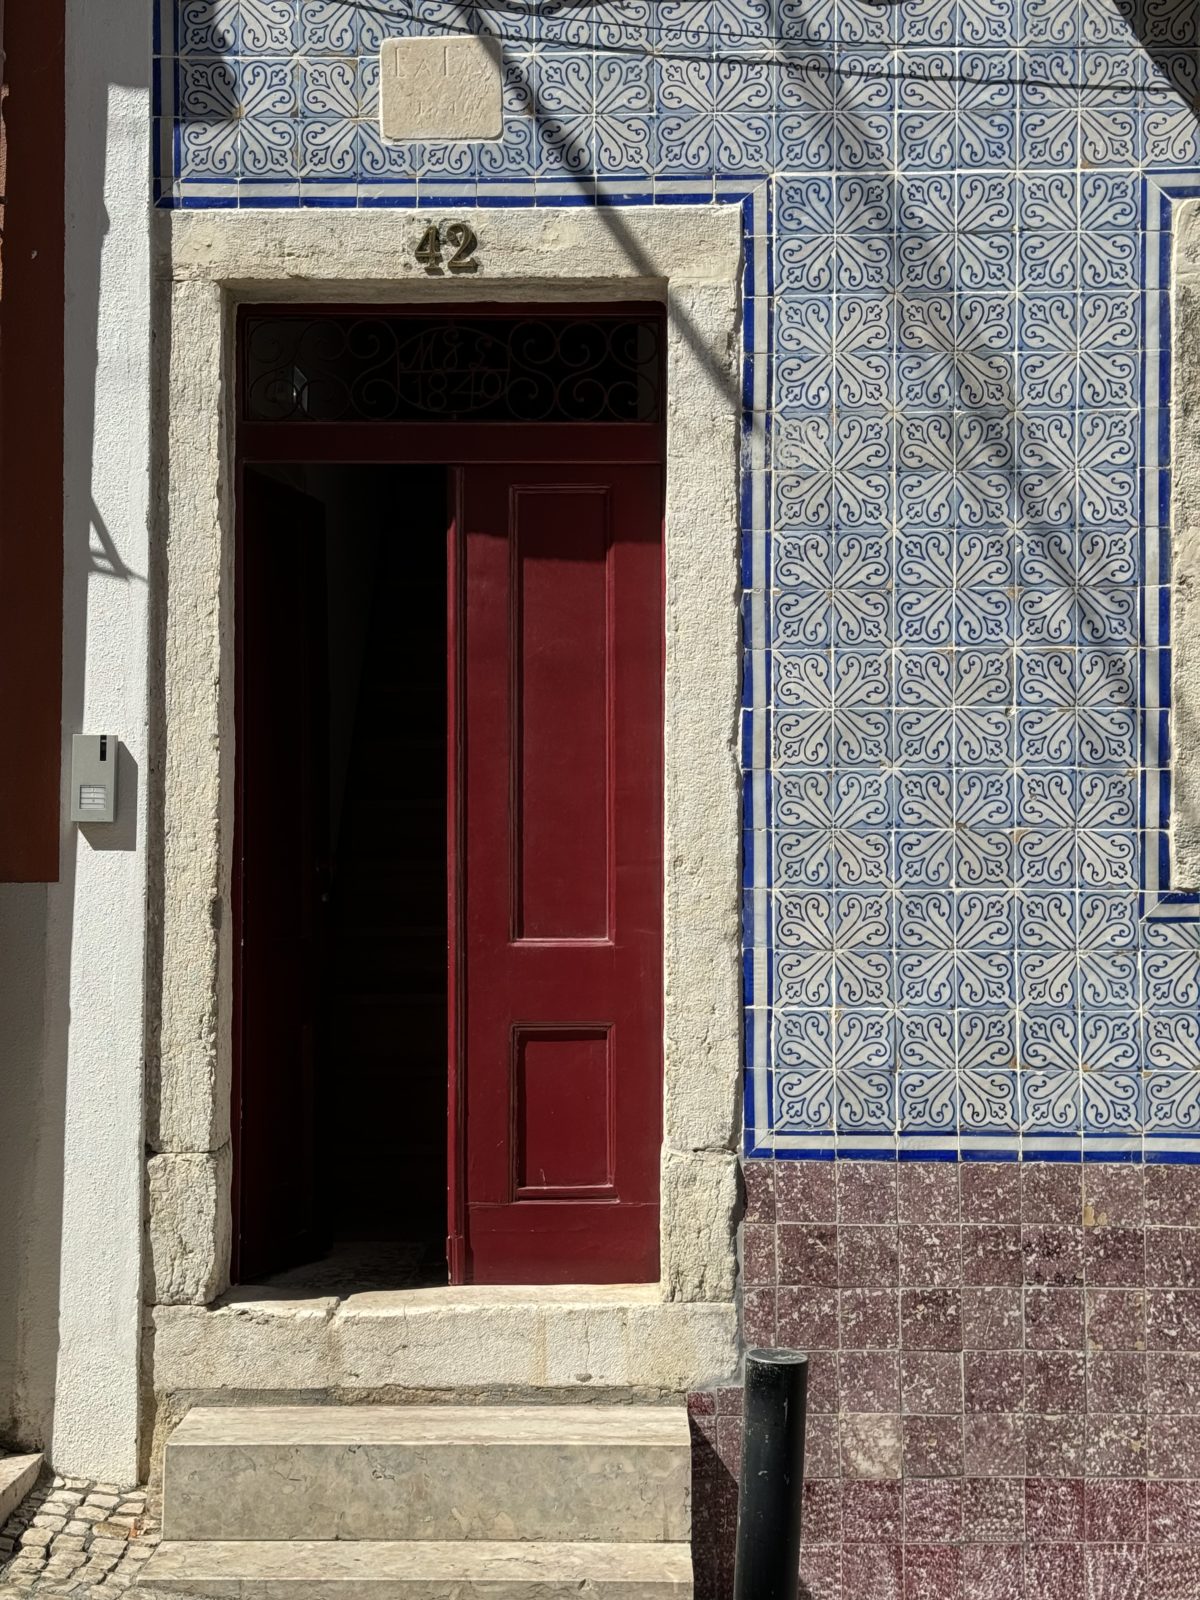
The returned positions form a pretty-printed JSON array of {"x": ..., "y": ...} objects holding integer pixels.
[{"x": 768, "y": 1535}]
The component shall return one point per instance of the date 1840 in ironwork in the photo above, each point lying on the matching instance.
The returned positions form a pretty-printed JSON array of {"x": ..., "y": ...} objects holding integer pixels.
[{"x": 454, "y": 237}]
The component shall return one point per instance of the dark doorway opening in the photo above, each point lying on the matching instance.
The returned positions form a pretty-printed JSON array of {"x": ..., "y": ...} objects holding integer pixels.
[
  {"x": 448, "y": 875},
  {"x": 341, "y": 1183}
]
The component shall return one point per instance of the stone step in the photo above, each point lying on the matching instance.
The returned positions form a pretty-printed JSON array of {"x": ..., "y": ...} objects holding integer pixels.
[
  {"x": 456, "y": 1570},
  {"x": 18, "y": 1474},
  {"x": 570, "y": 1473}
]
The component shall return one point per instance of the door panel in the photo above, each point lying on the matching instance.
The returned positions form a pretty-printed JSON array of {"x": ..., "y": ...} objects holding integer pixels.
[
  {"x": 282, "y": 852},
  {"x": 561, "y": 671},
  {"x": 560, "y": 951}
]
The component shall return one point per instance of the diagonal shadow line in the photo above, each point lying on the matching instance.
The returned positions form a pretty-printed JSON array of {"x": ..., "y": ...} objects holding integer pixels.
[
  {"x": 726, "y": 380},
  {"x": 840, "y": 112},
  {"x": 1169, "y": 56}
]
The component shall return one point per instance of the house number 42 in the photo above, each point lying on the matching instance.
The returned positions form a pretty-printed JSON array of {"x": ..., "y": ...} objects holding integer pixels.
[{"x": 455, "y": 237}]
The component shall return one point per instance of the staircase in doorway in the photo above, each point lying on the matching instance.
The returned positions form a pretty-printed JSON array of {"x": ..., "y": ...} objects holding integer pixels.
[{"x": 427, "y": 1503}]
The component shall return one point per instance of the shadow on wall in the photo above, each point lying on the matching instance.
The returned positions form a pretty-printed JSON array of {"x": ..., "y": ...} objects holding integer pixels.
[
  {"x": 37, "y": 922},
  {"x": 1170, "y": 33}
]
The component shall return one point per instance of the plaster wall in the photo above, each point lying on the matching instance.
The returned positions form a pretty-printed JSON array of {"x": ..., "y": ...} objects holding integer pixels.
[
  {"x": 71, "y": 995},
  {"x": 95, "y": 953},
  {"x": 682, "y": 1330}
]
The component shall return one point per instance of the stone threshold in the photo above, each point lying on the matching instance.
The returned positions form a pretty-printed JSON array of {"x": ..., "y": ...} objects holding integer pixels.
[{"x": 568, "y": 1338}]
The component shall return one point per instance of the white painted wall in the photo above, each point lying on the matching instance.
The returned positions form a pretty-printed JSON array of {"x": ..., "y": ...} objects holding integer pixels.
[
  {"x": 80, "y": 1069},
  {"x": 98, "y": 917}
]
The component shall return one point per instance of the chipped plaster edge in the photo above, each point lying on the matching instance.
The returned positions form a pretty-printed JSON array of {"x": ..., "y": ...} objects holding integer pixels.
[{"x": 691, "y": 257}]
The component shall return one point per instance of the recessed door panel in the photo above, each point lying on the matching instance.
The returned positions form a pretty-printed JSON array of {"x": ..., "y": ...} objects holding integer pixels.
[
  {"x": 559, "y": 964},
  {"x": 563, "y": 1093},
  {"x": 560, "y": 707}
]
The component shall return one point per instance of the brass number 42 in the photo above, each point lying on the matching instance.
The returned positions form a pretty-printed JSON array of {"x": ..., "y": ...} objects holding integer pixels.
[{"x": 458, "y": 238}]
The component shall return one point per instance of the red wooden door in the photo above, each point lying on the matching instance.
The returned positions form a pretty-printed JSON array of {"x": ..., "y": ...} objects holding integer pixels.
[
  {"x": 559, "y": 981},
  {"x": 282, "y": 879}
]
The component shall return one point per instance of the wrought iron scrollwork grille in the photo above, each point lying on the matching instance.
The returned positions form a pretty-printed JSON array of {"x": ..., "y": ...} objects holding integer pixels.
[{"x": 480, "y": 368}]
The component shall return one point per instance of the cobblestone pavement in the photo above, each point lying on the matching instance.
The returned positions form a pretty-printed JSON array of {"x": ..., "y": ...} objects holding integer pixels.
[{"x": 73, "y": 1537}]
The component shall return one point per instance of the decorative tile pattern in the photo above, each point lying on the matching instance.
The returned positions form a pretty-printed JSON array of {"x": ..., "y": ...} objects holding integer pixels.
[{"x": 961, "y": 936}]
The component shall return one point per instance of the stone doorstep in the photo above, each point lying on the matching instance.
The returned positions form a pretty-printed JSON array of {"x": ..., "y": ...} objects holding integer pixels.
[
  {"x": 416, "y": 1570},
  {"x": 18, "y": 1474},
  {"x": 414, "y": 1473},
  {"x": 582, "y": 1339}
]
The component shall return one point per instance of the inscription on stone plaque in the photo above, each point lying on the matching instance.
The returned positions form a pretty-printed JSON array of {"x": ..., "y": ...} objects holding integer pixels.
[{"x": 447, "y": 88}]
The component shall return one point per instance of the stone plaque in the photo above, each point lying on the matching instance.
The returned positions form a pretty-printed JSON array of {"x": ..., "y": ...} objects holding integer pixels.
[{"x": 447, "y": 88}]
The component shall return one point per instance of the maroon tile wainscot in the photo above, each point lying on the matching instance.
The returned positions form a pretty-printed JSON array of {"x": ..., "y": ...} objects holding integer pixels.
[{"x": 1004, "y": 1394}]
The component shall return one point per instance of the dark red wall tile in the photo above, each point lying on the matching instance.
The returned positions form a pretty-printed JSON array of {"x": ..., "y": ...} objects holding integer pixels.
[
  {"x": 990, "y": 1191},
  {"x": 872, "y": 1572},
  {"x": 866, "y": 1191},
  {"x": 1173, "y": 1512},
  {"x": 1172, "y": 1196},
  {"x": 807, "y": 1319},
  {"x": 993, "y": 1572},
  {"x": 1053, "y": 1319},
  {"x": 930, "y": 1255},
  {"x": 758, "y": 1317},
  {"x": 808, "y": 1254},
  {"x": 1173, "y": 1257},
  {"x": 1173, "y": 1447},
  {"x": 927, "y": 1191},
  {"x": 870, "y": 1319},
  {"x": 1054, "y": 1572},
  {"x": 932, "y": 1572},
  {"x": 992, "y": 1254},
  {"x": 1053, "y": 1255},
  {"x": 1055, "y": 1445},
  {"x": 873, "y": 1511},
  {"x": 822, "y": 1513},
  {"x": 1173, "y": 1319},
  {"x": 1115, "y": 1572},
  {"x": 758, "y": 1179},
  {"x": 1051, "y": 1192},
  {"x": 1116, "y": 1319},
  {"x": 1113, "y": 1195},
  {"x": 1054, "y": 1508},
  {"x": 931, "y": 1381},
  {"x": 867, "y": 1256},
  {"x": 994, "y": 1510},
  {"x": 933, "y": 1510},
  {"x": 993, "y": 1380},
  {"x": 1054, "y": 1381},
  {"x": 820, "y": 1573},
  {"x": 1173, "y": 1381},
  {"x": 992, "y": 1318},
  {"x": 931, "y": 1319},
  {"x": 1116, "y": 1380},
  {"x": 758, "y": 1254},
  {"x": 1173, "y": 1574},
  {"x": 1115, "y": 1257},
  {"x": 994, "y": 1445},
  {"x": 806, "y": 1191},
  {"x": 1116, "y": 1444},
  {"x": 933, "y": 1446},
  {"x": 1114, "y": 1511},
  {"x": 869, "y": 1380}
]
